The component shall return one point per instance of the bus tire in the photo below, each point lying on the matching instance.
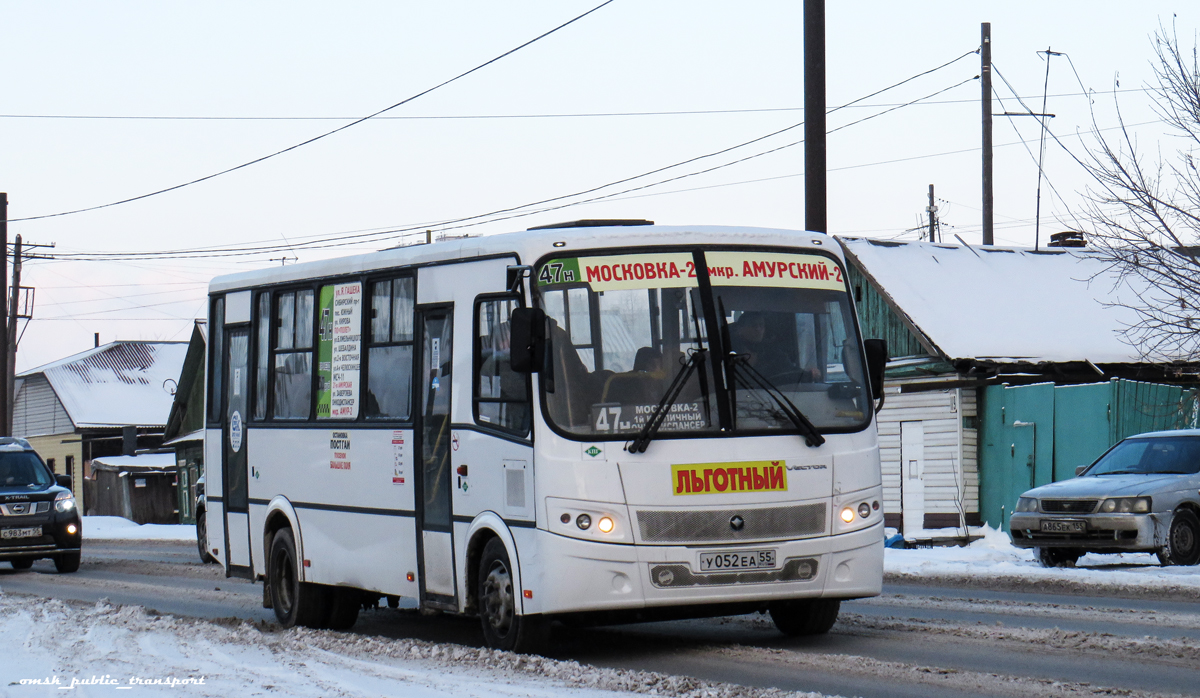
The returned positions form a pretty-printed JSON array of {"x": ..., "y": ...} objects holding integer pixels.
[
  {"x": 503, "y": 627},
  {"x": 343, "y": 608},
  {"x": 202, "y": 537},
  {"x": 294, "y": 602},
  {"x": 805, "y": 616}
]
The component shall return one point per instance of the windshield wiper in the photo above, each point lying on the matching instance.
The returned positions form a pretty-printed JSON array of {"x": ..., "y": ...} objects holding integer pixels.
[
  {"x": 812, "y": 437},
  {"x": 646, "y": 435}
]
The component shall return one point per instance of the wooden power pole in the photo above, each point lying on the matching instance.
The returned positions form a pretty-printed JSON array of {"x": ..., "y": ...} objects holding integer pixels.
[
  {"x": 815, "y": 214},
  {"x": 6, "y": 397},
  {"x": 985, "y": 84}
]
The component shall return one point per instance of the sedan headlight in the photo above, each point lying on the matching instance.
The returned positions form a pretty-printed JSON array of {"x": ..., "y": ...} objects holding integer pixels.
[
  {"x": 1027, "y": 504},
  {"x": 64, "y": 502},
  {"x": 1126, "y": 505}
]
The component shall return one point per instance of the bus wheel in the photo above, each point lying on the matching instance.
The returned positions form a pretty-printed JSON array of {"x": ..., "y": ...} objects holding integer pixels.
[
  {"x": 503, "y": 628},
  {"x": 343, "y": 608},
  {"x": 202, "y": 537},
  {"x": 295, "y": 602},
  {"x": 805, "y": 616}
]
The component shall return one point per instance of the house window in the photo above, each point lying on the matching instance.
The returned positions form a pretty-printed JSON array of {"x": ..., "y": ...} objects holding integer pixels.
[
  {"x": 50, "y": 462},
  {"x": 390, "y": 349},
  {"x": 501, "y": 395},
  {"x": 293, "y": 355}
]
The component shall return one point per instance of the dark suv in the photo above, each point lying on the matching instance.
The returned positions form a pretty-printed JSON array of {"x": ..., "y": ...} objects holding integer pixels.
[{"x": 38, "y": 516}]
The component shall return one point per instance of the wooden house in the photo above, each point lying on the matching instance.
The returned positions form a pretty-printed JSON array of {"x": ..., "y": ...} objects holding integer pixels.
[{"x": 958, "y": 319}]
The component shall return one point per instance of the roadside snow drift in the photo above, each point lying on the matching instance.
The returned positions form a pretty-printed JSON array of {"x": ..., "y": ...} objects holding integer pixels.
[{"x": 104, "y": 650}]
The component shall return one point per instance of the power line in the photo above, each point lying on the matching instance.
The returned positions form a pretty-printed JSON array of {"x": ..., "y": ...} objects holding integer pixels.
[
  {"x": 341, "y": 240},
  {"x": 460, "y": 117},
  {"x": 327, "y": 133}
]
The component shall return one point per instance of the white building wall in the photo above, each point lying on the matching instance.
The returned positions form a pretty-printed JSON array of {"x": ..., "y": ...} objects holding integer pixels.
[{"x": 951, "y": 477}]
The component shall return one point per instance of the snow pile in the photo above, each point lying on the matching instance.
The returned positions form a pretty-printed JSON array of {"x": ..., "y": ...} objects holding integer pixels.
[
  {"x": 49, "y": 644},
  {"x": 994, "y": 557},
  {"x": 117, "y": 528}
]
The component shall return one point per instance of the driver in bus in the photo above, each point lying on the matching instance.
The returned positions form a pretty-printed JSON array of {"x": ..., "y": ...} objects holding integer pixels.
[{"x": 750, "y": 337}]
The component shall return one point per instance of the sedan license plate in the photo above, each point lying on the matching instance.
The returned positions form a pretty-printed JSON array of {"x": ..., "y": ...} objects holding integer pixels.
[
  {"x": 1058, "y": 526},
  {"x": 737, "y": 560},
  {"x": 7, "y": 533}
]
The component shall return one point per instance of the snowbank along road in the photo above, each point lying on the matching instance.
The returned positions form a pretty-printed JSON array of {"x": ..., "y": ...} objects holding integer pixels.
[{"x": 148, "y": 609}]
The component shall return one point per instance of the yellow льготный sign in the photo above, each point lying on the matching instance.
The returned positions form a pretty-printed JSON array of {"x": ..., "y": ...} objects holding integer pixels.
[{"x": 744, "y": 476}]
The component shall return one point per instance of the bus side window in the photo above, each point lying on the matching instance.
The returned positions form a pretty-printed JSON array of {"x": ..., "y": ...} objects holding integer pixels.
[
  {"x": 501, "y": 395},
  {"x": 293, "y": 355},
  {"x": 390, "y": 349},
  {"x": 262, "y": 358}
]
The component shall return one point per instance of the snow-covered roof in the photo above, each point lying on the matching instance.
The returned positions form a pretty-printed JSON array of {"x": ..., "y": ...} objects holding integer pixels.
[
  {"x": 144, "y": 460},
  {"x": 1002, "y": 304},
  {"x": 117, "y": 384}
]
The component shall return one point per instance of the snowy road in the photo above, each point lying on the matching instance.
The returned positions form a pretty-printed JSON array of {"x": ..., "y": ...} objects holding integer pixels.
[{"x": 916, "y": 640}]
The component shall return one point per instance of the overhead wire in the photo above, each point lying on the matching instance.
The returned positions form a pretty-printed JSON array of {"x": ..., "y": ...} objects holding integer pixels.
[
  {"x": 314, "y": 139},
  {"x": 341, "y": 240},
  {"x": 449, "y": 117}
]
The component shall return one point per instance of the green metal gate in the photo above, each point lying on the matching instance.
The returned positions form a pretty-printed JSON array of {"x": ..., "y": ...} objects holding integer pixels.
[{"x": 1031, "y": 435}]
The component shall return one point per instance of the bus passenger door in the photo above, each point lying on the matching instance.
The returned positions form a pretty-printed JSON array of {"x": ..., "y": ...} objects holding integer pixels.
[
  {"x": 435, "y": 537},
  {"x": 234, "y": 462}
]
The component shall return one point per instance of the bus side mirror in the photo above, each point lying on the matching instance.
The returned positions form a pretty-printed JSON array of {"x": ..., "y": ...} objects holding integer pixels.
[
  {"x": 876, "y": 350},
  {"x": 527, "y": 347}
]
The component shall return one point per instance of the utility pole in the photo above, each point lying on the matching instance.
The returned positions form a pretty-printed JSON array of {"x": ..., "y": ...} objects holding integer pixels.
[
  {"x": 1037, "y": 224},
  {"x": 985, "y": 84},
  {"x": 931, "y": 209},
  {"x": 10, "y": 376},
  {"x": 7, "y": 397},
  {"x": 14, "y": 313},
  {"x": 815, "y": 214}
]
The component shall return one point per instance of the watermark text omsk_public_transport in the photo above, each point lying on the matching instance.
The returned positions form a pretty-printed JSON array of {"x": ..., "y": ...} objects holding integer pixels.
[{"x": 119, "y": 684}]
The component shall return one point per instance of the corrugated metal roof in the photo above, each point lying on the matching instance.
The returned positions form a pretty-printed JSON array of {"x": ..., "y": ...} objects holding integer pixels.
[
  {"x": 117, "y": 384},
  {"x": 1004, "y": 304}
]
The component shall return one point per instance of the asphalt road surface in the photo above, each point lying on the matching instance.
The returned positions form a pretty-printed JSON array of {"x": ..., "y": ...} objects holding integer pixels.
[{"x": 914, "y": 641}]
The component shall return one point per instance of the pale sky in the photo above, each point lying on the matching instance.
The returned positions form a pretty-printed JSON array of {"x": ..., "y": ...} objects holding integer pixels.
[{"x": 577, "y": 110}]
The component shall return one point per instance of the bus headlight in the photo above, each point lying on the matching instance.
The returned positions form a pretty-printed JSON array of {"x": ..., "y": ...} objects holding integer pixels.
[
  {"x": 64, "y": 502},
  {"x": 848, "y": 515},
  {"x": 605, "y": 524},
  {"x": 583, "y": 521}
]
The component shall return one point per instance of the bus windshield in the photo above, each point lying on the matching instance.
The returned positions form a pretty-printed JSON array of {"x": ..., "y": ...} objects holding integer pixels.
[{"x": 624, "y": 327}]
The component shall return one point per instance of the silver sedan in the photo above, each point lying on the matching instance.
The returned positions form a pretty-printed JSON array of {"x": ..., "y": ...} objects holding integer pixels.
[{"x": 1143, "y": 495}]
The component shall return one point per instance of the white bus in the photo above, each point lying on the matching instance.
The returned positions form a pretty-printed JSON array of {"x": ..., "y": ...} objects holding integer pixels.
[{"x": 598, "y": 422}]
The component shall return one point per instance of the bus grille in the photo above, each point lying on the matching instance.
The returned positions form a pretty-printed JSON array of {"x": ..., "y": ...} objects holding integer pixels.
[
  {"x": 680, "y": 575},
  {"x": 714, "y": 525}
]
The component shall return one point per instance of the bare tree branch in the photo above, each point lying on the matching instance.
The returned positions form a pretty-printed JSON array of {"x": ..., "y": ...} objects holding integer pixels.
[{"x": 1144, "y": 213}]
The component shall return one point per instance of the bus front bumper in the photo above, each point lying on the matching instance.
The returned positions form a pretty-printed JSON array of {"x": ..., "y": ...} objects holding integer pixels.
[{"x": 591, "y": 576}]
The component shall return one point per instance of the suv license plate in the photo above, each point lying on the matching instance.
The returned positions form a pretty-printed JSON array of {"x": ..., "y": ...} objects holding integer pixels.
[
  {"x": 737, "y": 560},
  {"x": 8, "y": 533},
  {"x": 1063, "y": 526}
]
